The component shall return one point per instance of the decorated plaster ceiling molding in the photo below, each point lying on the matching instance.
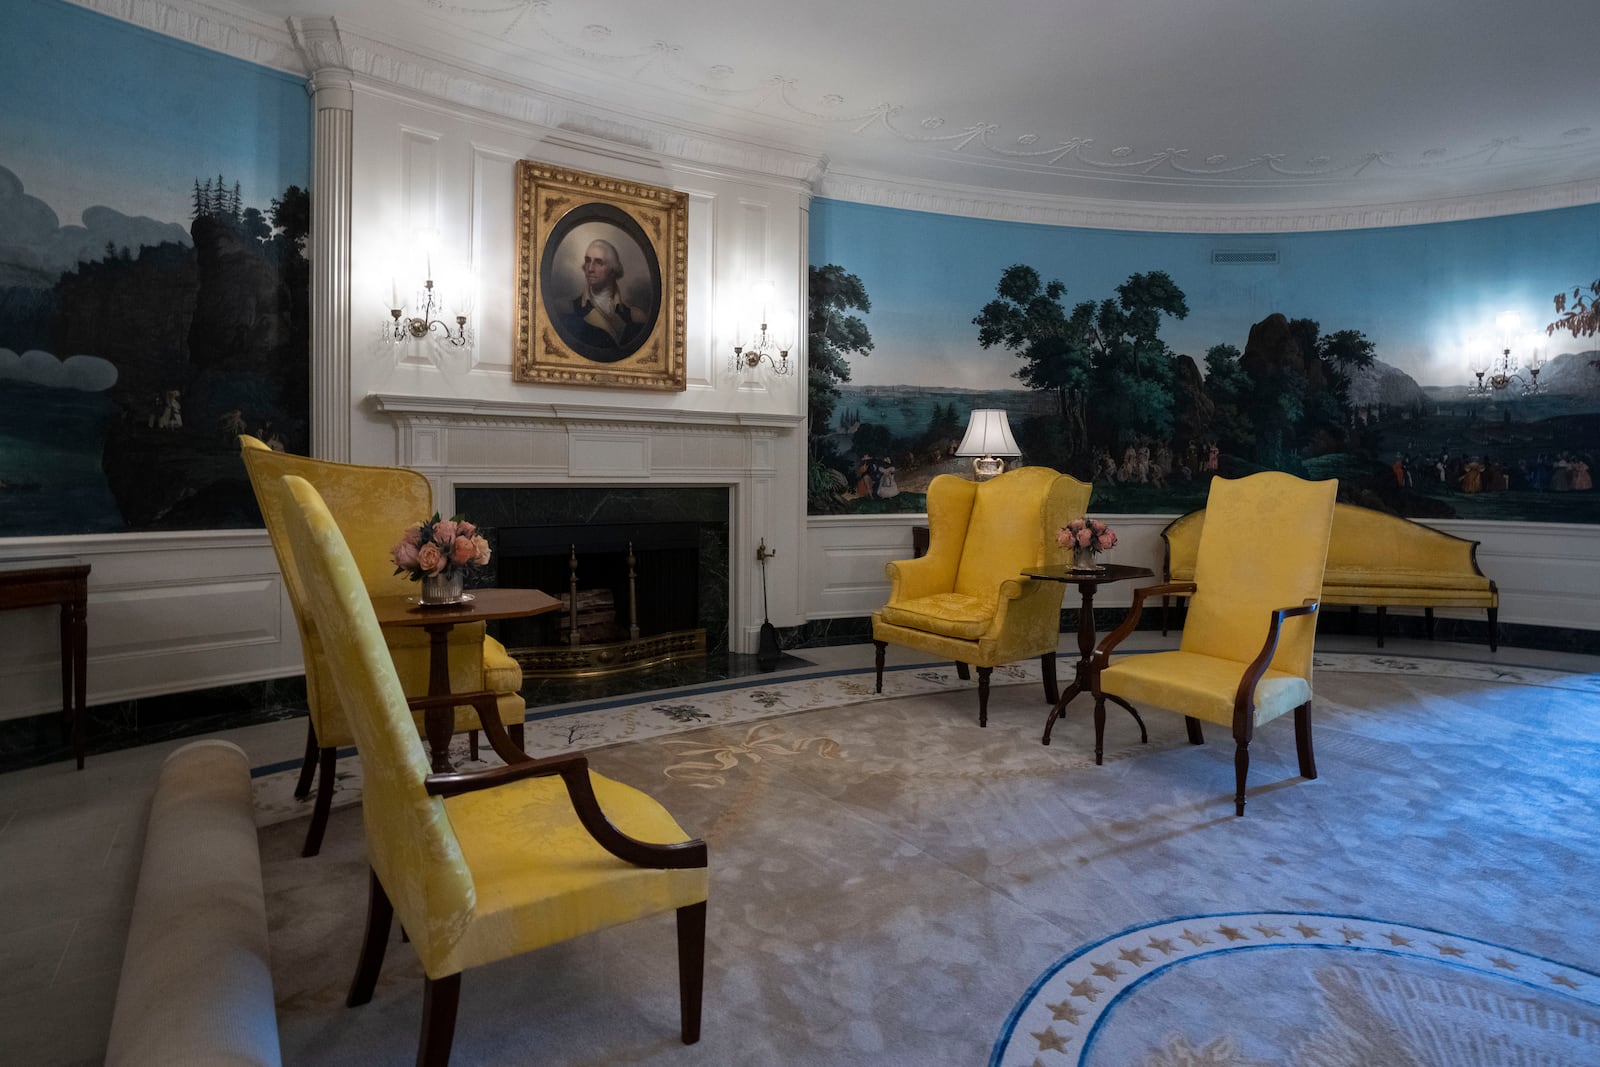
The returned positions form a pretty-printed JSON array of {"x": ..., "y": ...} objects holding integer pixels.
[
  {"x": 233, "y": 31},
  {"x": 985, "y": 202}
]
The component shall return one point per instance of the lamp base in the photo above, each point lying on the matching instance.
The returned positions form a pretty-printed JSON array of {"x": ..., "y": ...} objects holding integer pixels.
[{"x": 986, "y": 467}]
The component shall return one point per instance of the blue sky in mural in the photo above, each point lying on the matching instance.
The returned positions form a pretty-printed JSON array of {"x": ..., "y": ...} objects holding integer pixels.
[
  {"x": 1423, "y": 294},
  {"x": 130, "y": 119}
]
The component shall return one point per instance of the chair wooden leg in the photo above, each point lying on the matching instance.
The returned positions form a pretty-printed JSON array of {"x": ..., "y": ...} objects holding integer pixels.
[
  {"x": 1427, "y": 619},
  {"x": 1302, "y": 741},
  {"x": 691, "y": 968},
  {"x": 963, "y": 672},
  {"x": 879, "y": 648},
  {"x": 1192, "y": 724},
  {"x": 1241, "y": 768},
  {"x": 319, "y": 811},
  {"x": 1047, "y": 668},
  {"x": 472, "y": 745},
  {"x": 308, "y": 767},
  {"x": 514, "y": 731},
  {"x": 380, "y": 913},
  {"x": 1494, "y": 629},
  {"x": 983, "y": 695},
  {"x": 1099, "y": 728},
  {"x": 439, "y": 1000},
  {"x": 1382, "y": 614}
]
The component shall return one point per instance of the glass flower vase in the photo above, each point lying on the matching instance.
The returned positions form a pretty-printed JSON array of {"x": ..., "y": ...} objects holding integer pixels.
[{"x": 1083, "y": 560}]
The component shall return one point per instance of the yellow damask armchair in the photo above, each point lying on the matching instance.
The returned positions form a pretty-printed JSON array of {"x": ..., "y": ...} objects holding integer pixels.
[
  {"x": 1245, "y": 655},
  {"x": 967, "y": 599},
  {"x": 373, "y": 506},
  {"x": 485, "y": 865}
]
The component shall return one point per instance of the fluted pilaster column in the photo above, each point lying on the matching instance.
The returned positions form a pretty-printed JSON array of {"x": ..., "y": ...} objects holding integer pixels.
[{"x": 330, "y": 264}]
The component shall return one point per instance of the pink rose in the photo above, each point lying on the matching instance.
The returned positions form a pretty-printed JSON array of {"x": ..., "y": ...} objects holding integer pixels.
[
  {"x": 404, "y": 555},
  {"x": 1084, "y": 537},
  {"x": 413, "y": 534},
  {"x": 463, "y": 551},
  {"x": 1065, "y": 538},
  {"x": 1107, "y": 540},
  {"x": 465, "y": 529},
  {"x": 444, "y": 531},
  {"x": 480, "y": 548},
  {"x": 430, "y": 559}
]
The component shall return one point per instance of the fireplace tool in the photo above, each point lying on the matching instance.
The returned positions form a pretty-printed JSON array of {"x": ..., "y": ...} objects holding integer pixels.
[{"x": 767, "y": 653}]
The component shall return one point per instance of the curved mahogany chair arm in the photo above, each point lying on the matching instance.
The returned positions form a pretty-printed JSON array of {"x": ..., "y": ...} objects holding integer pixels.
[
  {"x": 1102, "y": 652},
  {"x": 1243, "y": 699},
  {"x": 574, "y": 772}
]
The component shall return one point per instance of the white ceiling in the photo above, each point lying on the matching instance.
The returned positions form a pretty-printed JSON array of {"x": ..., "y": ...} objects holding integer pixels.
[{"x": 1223, "y": 104}]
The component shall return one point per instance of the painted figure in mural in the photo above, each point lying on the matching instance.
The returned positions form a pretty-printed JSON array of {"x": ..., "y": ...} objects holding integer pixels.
[
  {"x": 1561, "y": 474},
  {"x": 1472, "y": 477},
  {"x": 1581, "y": 479},
  {"x": 887, "y": 486},
  {"x": 599, "y": 316},
  {"x": 867, "y": 474}
]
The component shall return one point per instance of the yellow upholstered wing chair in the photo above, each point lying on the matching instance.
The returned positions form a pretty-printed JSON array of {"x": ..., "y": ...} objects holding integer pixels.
[
  {"x": 485, "y": 865},
  {"x": 373, "y": 506},
  {"x": 966, "y": 600},
  {"x": 1245, "y": 655}
]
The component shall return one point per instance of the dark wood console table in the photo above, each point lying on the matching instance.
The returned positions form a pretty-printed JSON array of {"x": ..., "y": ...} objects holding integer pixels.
[{"x": 34, "y": 583}]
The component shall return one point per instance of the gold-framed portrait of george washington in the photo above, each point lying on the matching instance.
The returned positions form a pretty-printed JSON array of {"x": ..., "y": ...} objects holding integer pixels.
[{"x": 600, "y": 280}]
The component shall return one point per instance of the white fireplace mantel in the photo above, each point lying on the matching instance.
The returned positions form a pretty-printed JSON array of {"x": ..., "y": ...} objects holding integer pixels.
[{"x": 461, "y": 441}]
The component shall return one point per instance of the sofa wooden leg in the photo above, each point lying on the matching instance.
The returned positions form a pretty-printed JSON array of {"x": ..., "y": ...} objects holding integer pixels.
[
  {"x": 440, "y": 997},
  {"x": 1382, "y": 614},
  {"x": 308, "y": 767},
  {"x": 1427, "y": 621},
  {"x": 1241, "y": 769},
  {"x": 963, "y": 672},
  {"x": 1494, "y": 629},
  {"x": 1047, "y": 669},
  {"x": 380, "y": 913},
  {"x": 880, "y": 647},
  {"x": 1192, "y": 725},
  {"x": 1302, "y": 741},
  {"x": 691, "y": 968},
  {"x": 472, "y": 745},
  {"x": 514, "y": 731},
  {"x": 983, "y": 695},
  {"x": 327, "y": 763}
]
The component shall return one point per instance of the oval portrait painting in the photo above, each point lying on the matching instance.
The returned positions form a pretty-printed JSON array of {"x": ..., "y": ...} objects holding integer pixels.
[{"x": 600, "y": 281}]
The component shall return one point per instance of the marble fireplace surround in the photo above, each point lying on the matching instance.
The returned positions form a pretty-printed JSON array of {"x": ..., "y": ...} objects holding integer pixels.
[{"x": 471, "y": 444}]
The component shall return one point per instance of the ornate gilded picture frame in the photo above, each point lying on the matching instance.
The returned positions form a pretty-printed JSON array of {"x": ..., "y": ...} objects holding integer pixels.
[{"x": 600, "y": 280}]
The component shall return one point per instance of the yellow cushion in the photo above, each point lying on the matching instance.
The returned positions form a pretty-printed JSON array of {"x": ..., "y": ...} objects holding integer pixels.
[
  {"x": 949, "y": 614},
  {"x": 529, "y": 897},
  {"x": 1201, "y": 686}
]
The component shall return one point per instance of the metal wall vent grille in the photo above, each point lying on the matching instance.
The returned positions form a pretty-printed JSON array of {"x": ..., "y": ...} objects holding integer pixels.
[{"x": 1231, "y": 259}]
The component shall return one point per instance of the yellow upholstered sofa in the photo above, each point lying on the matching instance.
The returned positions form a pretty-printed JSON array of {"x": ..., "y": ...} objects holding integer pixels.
[{"x": 1374, "y": 560}]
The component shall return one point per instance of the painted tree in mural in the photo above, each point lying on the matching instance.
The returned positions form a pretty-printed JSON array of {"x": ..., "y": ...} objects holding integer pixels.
[
  {"x": 1134, "y": 395},
  {"x": 833, "y": 334},
  {"x": 1582, "y": 319},
  {"x": 1057, "y": 348}
]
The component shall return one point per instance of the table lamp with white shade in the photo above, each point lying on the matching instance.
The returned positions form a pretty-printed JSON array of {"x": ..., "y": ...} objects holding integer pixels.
[{"x": 989, "y": 439}]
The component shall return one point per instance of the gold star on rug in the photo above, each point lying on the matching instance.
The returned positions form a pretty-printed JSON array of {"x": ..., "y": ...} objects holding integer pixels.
[
  {"x": 1065, "y": 1013},
  {"x": 1502, "y": 963},
  {"x": 1397, "y": 941},
  {"x": 1561, "y": 979},
  {"x": 1086, "y": 989},
  {"x": 1351, "y": 935},
  {"x": 1307, "y": 932},
  {"x": 1162, "y": 945},
  {"x": 1108, "y": 971},
  {"x": 1233, "y": 933},
  {"x": 1450, "y": 950},
  {"x": 1049, "y": 1039},
  {"x": 1193, "y": 938},
  {"x": 1269, "y": 931},
  {"x": 1134, "y": 956}
]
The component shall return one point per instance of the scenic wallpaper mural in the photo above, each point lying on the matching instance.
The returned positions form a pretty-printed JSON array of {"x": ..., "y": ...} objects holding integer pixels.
[
  {"x": 153, "y": 279},
  {"x": 1441, "y": 371}
]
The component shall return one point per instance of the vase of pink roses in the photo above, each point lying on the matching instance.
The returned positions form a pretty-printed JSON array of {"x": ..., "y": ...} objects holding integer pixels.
[
  {"x": 1087, "y": 538},
  {"x": 437, "y": 553}
]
